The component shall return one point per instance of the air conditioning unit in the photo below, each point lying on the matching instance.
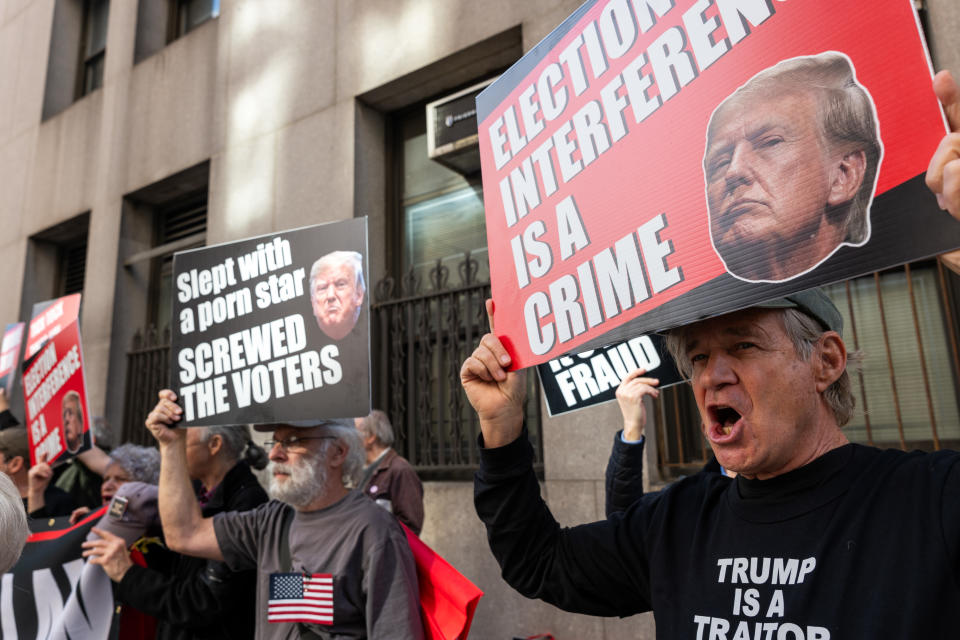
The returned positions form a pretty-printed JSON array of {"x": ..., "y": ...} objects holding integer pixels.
[{"x": 452, "y": 130}]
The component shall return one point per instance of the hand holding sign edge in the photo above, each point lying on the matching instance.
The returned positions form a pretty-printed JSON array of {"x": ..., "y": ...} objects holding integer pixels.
[
  {"x": 630, "y": 395},
  {"x": 496, "y": 394},
  {"x": 161, "y": 420},
  {"x": 943, "y": 173}
]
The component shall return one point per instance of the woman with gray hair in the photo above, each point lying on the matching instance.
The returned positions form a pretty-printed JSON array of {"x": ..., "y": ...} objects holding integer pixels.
[{"x": 126, "y": 463}]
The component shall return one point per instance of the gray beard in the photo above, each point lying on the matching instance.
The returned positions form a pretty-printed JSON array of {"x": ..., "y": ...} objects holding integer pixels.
[{"x": 306, "y": 482}]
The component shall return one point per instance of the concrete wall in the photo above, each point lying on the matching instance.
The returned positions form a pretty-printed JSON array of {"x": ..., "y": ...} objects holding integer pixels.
[{"x": 286, "y": 101}]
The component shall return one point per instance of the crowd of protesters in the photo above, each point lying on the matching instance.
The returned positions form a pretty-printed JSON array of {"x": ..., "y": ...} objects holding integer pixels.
[
  {"x": 191, "y": 538},
  {"x": 197, "y": 548}
]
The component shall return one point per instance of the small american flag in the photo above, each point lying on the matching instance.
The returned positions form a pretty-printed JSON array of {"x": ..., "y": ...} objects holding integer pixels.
[{"x": 301, "y": 597}]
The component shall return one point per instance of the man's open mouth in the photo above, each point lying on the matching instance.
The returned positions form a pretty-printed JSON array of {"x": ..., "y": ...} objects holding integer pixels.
[{"x": 724, "y": 418}]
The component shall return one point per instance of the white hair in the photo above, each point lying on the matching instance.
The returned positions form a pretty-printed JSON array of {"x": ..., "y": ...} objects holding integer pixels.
[
  {"x": 335, "y": 258},
  {"x": 13, "y": 523},
  {"x": 349, "y": 439}
]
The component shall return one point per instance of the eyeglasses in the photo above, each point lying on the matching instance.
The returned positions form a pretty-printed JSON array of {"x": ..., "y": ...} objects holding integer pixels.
[{"x": 292, "y": 442}]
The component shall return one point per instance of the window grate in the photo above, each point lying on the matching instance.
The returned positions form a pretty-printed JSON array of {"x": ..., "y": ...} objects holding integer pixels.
[
  {"x": 175, "y": 224},
  {"x": 73, "y": 266}
]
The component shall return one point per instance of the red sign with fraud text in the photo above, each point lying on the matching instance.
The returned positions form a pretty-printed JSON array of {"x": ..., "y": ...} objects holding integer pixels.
[{"x": 656, "y": 162}]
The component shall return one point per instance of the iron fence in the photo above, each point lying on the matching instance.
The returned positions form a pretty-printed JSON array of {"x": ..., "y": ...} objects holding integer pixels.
[
  {"x": 422, "y": 332},
  {"x": 148, "y": 371}
]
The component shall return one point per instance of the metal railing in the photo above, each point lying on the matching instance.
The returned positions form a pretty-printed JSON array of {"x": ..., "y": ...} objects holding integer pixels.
[
  {"x": 904, "y": 320},
  {"x": 421, "y": 334},
  {"x": 148, "y": 371}
]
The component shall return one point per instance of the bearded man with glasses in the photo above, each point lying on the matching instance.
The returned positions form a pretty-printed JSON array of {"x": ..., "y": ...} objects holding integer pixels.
[{"x": 331, "y": 563}]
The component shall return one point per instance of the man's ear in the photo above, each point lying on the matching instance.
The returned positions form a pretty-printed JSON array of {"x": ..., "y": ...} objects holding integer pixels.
[
  {"x": 215, "y": 444},
  {"x": 338, "y": 454},
  {"x": 847, "y": 177},
  {"x": 830, "y": 360},
  {"x": 15, "y": 464}
]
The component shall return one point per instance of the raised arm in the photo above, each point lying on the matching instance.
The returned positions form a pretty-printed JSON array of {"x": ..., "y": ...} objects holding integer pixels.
[
  {"x": 624, "y": 476},
  {"x": 184, "y": 527},
  {"x": 95, "y": 459},
  {"x": 497, "y": 395}
]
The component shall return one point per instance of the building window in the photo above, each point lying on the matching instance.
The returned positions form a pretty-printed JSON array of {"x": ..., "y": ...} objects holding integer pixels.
[
  {"x": 182, "y": 226},
  {"x": 73, "y": 266},
  {"x": 56, "y": 263},
  {"x": 160, "y": 22},
  {"x": 906, "y": 390},
  {"x": 441, "y": 210},
  {"x": 428, "y": 313},
  {"x": 158, "y": 220},
  {"x": 190, "y": 14},
  {"x": 93, "y": 55}
]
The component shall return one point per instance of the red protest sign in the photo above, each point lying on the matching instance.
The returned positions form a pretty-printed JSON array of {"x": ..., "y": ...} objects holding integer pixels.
[
  {"x": 655, "y": 162},
  {"x": 10, "y": 353},
  {"x": 50, "y": 318},
  {"x": 55, "y": 398}
]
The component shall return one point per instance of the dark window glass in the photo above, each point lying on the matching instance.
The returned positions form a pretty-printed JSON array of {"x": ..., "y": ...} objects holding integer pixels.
[
  {"x": 442, "y": 210},
  {"x": 192, "y": 13},
  {"x": 429, "y": 314},
  {"x": 95, "y": 16}
]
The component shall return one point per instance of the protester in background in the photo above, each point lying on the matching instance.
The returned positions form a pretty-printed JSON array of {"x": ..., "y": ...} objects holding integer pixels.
[
  {"x": 336, "y": 292},
  {"x": 40, "y": 498},
  {"x": 126, "y": 463},
  {"x": 388, "y": 478},
  {"x": 314, "y": 526},
  {"x": 624, "y": 476},
  {"x": 189, "y": 597},
  {"x": 13, "y": 524}
]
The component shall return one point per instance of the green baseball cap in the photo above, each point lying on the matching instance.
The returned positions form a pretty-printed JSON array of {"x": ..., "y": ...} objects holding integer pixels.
[{"x": 813, "y": 302}]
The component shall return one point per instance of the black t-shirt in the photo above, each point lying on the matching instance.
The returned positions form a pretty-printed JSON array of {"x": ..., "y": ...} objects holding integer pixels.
[{"x": 861, "y": 543}]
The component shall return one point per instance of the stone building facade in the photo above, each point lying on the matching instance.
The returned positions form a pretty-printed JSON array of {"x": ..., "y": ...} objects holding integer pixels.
[{"x": 132, "y": 128}]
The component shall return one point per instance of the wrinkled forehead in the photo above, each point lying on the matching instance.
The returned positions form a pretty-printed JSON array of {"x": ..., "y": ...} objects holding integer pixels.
[
  {"x": 763, "y": 106},
  {"x": 746, "y": 323}
]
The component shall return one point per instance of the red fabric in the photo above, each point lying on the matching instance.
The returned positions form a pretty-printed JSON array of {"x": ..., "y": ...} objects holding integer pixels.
[
  {"x": 134, "y": 624},
  {"x": 447, "y": 598}
]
